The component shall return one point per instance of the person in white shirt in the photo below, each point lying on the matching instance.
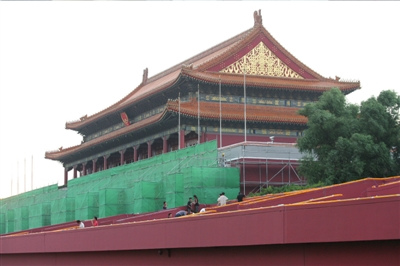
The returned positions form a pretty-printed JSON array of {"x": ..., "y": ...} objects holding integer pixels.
[
  {"x": 80, "y": 223},
  {"x": 222, "y": 199}
]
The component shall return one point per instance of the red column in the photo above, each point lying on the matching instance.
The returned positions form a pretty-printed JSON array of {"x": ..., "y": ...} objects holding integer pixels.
[
  {"x": 75, "y": 172},
  {"x": 203, "y": 138},
  {"x": 105, "y": 157},
  {"x": 165, "y": 144},
  {"x": 149, "y": 150},
  {"x": 135, "y": 153},
  {"x": 94, "y": 169},
  {"x": 65, "y": 176},
  {"x": 83, "y": 169},
  {"x": 122, "y": 156},
  {"x": 182, "y": 141}
]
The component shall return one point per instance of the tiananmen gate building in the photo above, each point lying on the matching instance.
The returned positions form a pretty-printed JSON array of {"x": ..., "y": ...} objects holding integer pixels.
[{"x": 245, "y": 92}]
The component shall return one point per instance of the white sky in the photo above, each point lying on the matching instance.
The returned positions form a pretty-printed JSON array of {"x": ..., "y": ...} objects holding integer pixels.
[{"x": 62, "y": 60}]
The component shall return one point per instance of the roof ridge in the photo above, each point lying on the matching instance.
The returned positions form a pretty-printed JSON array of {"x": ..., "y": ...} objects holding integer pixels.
[
  {"x": 213, "y": 61},
  {"x": 205, "y": 53},
  {"x": 252, "y": 34},
  {"x": 146, "y": 80},
  {"x": 291, "y": 56}
]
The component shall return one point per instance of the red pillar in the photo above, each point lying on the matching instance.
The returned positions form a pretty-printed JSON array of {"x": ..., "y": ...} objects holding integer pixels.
[
  {"x": 149, "y": 150},
  {"x": 65, "y": 176},
  {"x": 105, "y": 157},
  {"x": 182, "y": 140},
  {"x": 165, "y": 144},
  {"x": 122, "y": 156},
  {"x": 203, "y": 138},
  {"x": 83, "y": 169},
  {"x": 135, "y": 153},
  {"x": 94, "y": 169},
  {"x": 75, "y": 171}
]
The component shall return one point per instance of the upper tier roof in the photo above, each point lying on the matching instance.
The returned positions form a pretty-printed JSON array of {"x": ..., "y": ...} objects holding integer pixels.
[{"x": 254, "y": 51}]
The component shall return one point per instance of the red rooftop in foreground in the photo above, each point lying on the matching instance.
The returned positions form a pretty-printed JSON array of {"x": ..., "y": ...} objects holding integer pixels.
[{"x": 355, "y": 223}]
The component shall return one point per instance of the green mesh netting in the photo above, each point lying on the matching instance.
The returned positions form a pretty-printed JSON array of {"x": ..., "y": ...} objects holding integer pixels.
[
  {"x": 138, "y": 187},
  {"x": 62, "y": 210},
  {"x": 3, "y": 223}
]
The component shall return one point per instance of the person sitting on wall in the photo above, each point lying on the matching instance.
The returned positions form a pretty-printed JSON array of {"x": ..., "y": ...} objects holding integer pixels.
[
  {"x": 222, "y": 199},
  {"x": 94, "y": 221},
  {"x": 240, "y": 196},
  {"x": 189, "y": 205},
  {"x": 80, "y": 224},
  {"x": 164, "y": 205},
  {"x": 181, "y": 213},
  {"x": 196, "y": 204}
]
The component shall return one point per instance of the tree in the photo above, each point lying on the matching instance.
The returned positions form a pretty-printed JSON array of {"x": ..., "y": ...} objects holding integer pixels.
[{"x": 344, "y": 142}]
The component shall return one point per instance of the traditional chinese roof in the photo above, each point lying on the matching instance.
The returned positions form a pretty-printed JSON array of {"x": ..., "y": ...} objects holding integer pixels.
[
  {"x": 208, "y": 110},
  {"x": 254, "y": 52},
  {"x": 235, "y": 112}
]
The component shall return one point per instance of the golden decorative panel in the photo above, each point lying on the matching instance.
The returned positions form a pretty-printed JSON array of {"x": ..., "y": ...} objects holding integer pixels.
[{"x": 261, "y": 61}]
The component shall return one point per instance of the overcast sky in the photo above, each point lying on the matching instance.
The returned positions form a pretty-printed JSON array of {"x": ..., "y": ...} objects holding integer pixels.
[{"x": 62, "y": 60}]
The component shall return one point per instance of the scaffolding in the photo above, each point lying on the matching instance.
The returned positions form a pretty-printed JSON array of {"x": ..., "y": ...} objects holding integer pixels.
[
  {"x": 276, "y": 162},
  {"x": 138, "y": 187}
]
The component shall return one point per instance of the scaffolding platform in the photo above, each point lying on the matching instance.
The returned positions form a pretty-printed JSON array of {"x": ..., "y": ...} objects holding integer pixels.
[{"x": 263, "y": 164}]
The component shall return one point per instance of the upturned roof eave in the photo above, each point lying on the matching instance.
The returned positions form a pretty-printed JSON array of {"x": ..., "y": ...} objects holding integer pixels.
[
  {"x": 124, "y": 103},
  {"x": 271, "y": 82},
  {"x": 76, "y": 125},
  {"x": 62, "y": 153},
  {"x": 130, "y": 98},
  {"x": 266, "y": 114}
]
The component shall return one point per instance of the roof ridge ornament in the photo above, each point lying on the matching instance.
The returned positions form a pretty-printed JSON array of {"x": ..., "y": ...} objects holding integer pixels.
[
  {"x": 257, "y": 18},
  {"x": 145, "y": 75},
  {"x": 190, "y": 66}
]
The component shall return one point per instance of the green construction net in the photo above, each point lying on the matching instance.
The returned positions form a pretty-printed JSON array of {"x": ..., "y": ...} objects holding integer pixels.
[{"x": 138, "y": 187}]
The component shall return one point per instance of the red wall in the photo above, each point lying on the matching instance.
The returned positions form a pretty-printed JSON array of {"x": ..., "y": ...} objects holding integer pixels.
[
  {"x": 359, "y": 226},
  {"x": 342, "y": 253}
]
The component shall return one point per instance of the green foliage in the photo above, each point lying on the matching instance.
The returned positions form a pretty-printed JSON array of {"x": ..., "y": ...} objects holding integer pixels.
[{"x": 345, "y": 142}]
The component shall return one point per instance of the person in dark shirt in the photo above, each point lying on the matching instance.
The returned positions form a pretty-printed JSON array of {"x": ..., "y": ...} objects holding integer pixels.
[
  {"x": 189, "y": 205},
  {"x": 240, "y": 196},
  {"x": 196, "y": 204}
]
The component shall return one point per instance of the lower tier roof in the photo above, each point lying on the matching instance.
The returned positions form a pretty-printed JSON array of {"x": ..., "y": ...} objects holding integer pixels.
[{"x": 208, "y": 110}]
